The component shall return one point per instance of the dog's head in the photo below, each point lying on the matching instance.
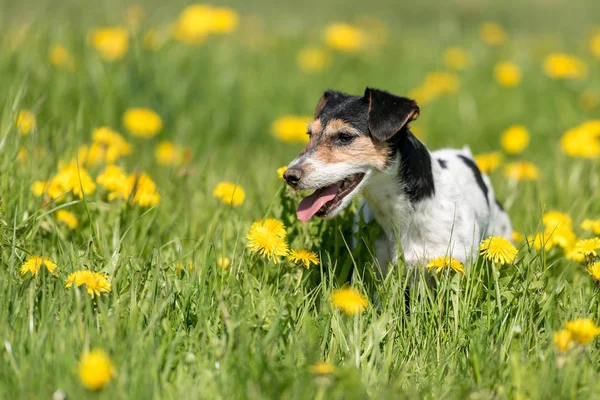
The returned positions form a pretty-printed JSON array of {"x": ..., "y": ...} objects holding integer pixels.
[{"x": 349, "y": 140}]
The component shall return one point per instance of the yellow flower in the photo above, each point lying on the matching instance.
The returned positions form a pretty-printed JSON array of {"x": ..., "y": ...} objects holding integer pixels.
[
  {"x": 142, "y": 122},
  {"x": 517, "y": 237},
  {"x": 582, "y": 330},
  {"x": 564, "y": 66},
  {"x": 498, "y": 250},
  {"x": 223, "y": 262},
  {"x": 168, "y": 153},
  {"x": 563, "y": 340},
  {"x": 344, "y": 37},
  {"x": 312, "y": 59},
  {"x": 515, "y": 139},
  {"x": 22, "y": 155},
  {"x": 224, "y": 20},
  {"x": 112, "y": 43},
  {"x": 291, "y": 128},
  {"x": 107, "y": 147},
  {"x": 595, "y": 45},
  {"x": 268, "y": 239},
  {"x": 588, "y": 247},
  {"x": 594, "y": 270},
  {"x": 26, "y": 122},
  {"x": 489, "y": 162},
  {"x": 376, "y": 31},
  {"x": 435, "y": 85},
  {"x": 112, "y": 178},
  {"x": 540, "y": 241},
  {"x": 67, "y": 218},
  {"x": 180, "y": 267},
  {"x": 95, "y": 369},
  {"x": 322, "y": 368},
  {"x": 60, "y": 57},
  {"x": 230, "y": 193},
  {"x": 34, "y": 263},
  {"x": 70, "y": 178},
  {"x": 38, "y": 188},
  {"x": 553, "y": 219},
  {"x": 139, "y": 189},
  {"x": 582, "y": 140},
  {"x": 304, "y": 257},
  {"x": 197, "y": 21},
  {"x": 507, "y": 74},
  {"x": 492, "y": 33},
  {"x": 456, "y": 58},
  {"x": 589, "y": 99},
  {"x": 591, "y": 226},
  {"x": 574, "y": 254},
  {"x": 95, "y": 283},
  {"x": 561, "y": 236},
  {"x": 522, "y": 170},
  {"x": 349, "y": 300},
  {"x": 442, "y": 263},
  {"x": 281, "y": 171}
]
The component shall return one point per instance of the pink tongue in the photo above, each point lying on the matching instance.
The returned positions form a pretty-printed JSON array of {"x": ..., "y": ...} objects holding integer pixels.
[{"x": 309, "y": 205}]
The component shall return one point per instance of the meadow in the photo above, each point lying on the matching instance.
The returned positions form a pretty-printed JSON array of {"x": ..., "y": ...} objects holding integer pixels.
[{"x": 150, "y": 249}]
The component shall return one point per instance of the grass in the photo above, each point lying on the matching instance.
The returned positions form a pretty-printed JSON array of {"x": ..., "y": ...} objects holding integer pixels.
[{"x": 254, "y": 329}]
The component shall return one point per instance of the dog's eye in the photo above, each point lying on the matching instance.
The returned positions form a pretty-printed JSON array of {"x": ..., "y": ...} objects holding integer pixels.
[{"x": 345, "y": 138}]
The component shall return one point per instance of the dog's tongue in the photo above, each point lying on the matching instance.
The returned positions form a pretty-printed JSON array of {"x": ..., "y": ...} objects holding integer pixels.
[{"x": 311, "y": 204}]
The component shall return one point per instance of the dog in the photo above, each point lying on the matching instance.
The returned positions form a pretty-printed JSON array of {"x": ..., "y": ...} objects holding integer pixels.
[{"x": 429, "y": 204}]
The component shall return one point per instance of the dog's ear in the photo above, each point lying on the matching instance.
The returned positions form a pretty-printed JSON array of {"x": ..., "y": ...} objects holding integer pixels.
[
  {"x": 329, "y": 99},
  {"x": 388, "y": 114}
]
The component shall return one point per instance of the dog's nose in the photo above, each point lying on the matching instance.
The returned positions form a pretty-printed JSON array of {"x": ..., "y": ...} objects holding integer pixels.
[{"x": 292, "y": 176}]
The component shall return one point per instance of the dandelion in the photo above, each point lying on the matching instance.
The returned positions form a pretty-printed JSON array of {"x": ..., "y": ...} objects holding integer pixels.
[
  {"x": 591, "y": 226},
  {"x": 540, "y": 241},
  {"x": 70, "y": 178},
  {"x": 107, "y": 147},
  {"x": 456, "y": 58},
  {"x": 304, "y": 257},
  {"x": 499, "y": 250},
  {"x": 229, "y": 193},
  {"x": 142, "y": 122},
  {"x": 564, "y": 66},
  {"x": 594, "y": 270},
  {"x": 26, "y": 122},
  {"x": 268, "y": 238},
  {"x": 563, "y": 340},
  {"x": 508, "y": 74},
  {"x": 515, "y": 139},
  {"x": 322, "y": 368},
  {"x": 223, "y": 262},
  {"x": 140, "y": 189},
  {"x": 281, "y": 171},
  {"x": 112, "y": 43},
  {"x": 198, "y": 21},
  {"x": 34, "y": 263},
  {"x": 573, "y": 254},
  {"x": 582, "y": 330},
  {"x": 436, "y": 84},
  {"x": 112, "y": 178},
  {"x": 588, "y": 247},
  {"x": 492, "y": 33},
  {"x": 517, "y": 236},
  {"x": 522, "y": 171},
  {"x": 489, "y": 162},
  {"x": 22, "y": 154},
  {"x": 349, "y": 300},
  {"x": 595, "y": 45},
  {"x": 442, "y": 263},
  {"x": 582, "y": 140},
  {"x": 168, "y": 153},
  {"x": 554, "y": 219},
  {"x": 291, "y": 128},
  {"x": 38, "y": 188},
  {"x": 344, "y": 37},
  {"x": 60, "y": 57},
  {"x": 180, "y": 267},
  {"x": 312, "y": 59},
  {"x": 95, "y": 283},
  {"x": 95, "y": 369},
  {"x": 224, "y": 20},
  {"x": 67, "y": 218}
]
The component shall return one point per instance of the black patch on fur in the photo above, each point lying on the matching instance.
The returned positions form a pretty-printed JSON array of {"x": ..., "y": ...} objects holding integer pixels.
[
  {"x": 415, "y": 170},
  {"x": 477, "y": 173},
  {"x": 442, "y": 163},
  {"x": 499, "y": 205}
]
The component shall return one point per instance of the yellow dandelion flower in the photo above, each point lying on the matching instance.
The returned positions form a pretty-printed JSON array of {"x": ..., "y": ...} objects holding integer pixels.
[
  {"x": 489, "y": 162},
  {"x": 499, "y": 250},
  {"x": 38, "y": 188},
  {"x": 198, "y": 21},
  {"x": 573, "y": 254},
  {"x": 67, "y": 218},
  {"x": 492, "y": 33},
  {"x": 595, "y": 45},
  {"x": 322, "y": 368},
  {"x": 71, "y": 178},
  {"x": 229, "y": 193},
  {"x": 540, "y": 241},
  {"x": 583, "y": 330},
  {"x": 375, "y": 30},
  {"x": 142, "y": 122},
  {"x": 442, "y": 263},
  {"x": 95, "y": 369},
  {"x": 180, "y": 267},
  {"x": 349, "y": 300},
  {"x": 563, "y": 340},
  {"x": 456, "y": 58},
  {"x": 508, "y": 74},
  {"x": 168, "y": 153},
  {"x": 554, "y": 219},
  {"x": 95, "y": 283},
  {"x": 112, "y": 178},
  {"x": 224, "y": 20},
  {"x": 34, "y": 263},
  {"x": 344, "y": 37},
  {"x": 223, "y": 262},
  {"x": 312, "y": 59},
  {"x": 591, "y": 225},
  {"x": 517, "y": 236},
  {"x": 434, "y": 85},
  {"x": 111, "y": 43},
  {"x": 26, "y": 122},
  {"x": 22, "y": 154},
  {"x": 594, "y": 270},
  {"x": 291, "y": 128},
  {"x": 60, "y": 57},
  {"x": 515, "y": 139},
  {"x": 107, "y": 147},
  {"x": 582, "y": 140},
  {"x": 281, "y": 171},
  {"x": 564, "y": 66},
  {"x": 139, "y": 189},
  {"x": 268, "y": 239},
  {"x": 522, "y": 171},
  {"x": 562, "y": 236},
  {"x": 588, "y": 247},
  {"x": 304, "y": 257}
]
